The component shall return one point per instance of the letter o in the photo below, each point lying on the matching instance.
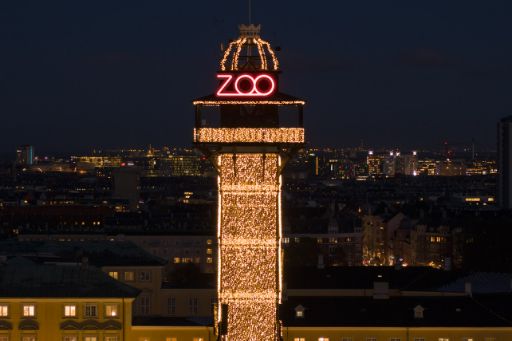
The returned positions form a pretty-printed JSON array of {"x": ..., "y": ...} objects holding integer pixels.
[
  {"x": 253, "y": 82},
  {"x": 271, "y": 88}
]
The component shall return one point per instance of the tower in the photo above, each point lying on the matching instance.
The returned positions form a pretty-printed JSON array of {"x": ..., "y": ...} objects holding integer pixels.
[
  {"x": 249, "y": 130},
  {"x": 505, "y": 162}
]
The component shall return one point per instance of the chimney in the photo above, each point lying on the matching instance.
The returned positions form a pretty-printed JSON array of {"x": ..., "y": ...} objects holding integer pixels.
[
  {"x": 467, "y": 289},
  {"x": 448, "y": 264},
  {"x": 418, "y": 312},
  {"x": 320, "y": 264},
  {"x": 380, "y": 290},
  {"x": 85, "y": 263}
]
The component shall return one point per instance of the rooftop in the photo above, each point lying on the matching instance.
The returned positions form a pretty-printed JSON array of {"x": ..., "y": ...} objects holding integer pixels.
[
  {"x": 406, "y": 279},
  {"x": 21, "y": 277},
  {"x": 438, "y": 311},
  {"x": 98, "y": 253}
]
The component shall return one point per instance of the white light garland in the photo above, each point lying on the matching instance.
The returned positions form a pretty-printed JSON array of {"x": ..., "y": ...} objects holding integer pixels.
[
  {"x": 249, "y": 135},
  {"x": 261, "y": 45},
  {"x": 249, "y": 273}
]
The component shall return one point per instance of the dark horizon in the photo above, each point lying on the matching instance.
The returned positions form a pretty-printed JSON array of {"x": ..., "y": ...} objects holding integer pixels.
[{"x": 108, "y": 75}]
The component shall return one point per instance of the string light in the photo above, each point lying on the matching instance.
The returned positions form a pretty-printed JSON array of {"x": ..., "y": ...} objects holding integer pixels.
[
  {"x": 248, "y": 102},
  {"x": 272, "y": 54},
  {"x": 249, "y": 135},
  {"x": 249, "y": 224},
  {"x": 249, "y": 272},
  {"x": 261, "y": 46},
  {"x": 262, "y": 54},
  {"x": 234, "y": 62},
  {"x": 227, "y": 53}
]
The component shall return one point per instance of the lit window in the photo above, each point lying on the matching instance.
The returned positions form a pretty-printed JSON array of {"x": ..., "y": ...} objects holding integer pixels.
[
  {"x": 114, "y": 274},
  {"x": 144, "y": 339},
  {"x": 209, "y": 260},
  {"x": 4, "y": 338},
  {"x": 111, "y": 338},
  {"x": 209, "y": 242},
  {"x": 29, "y": 310},
  {"x": 129, "y": 276},
  {"x": 69, "y": 338},
  {"x": 70, "y": 310},
  {"x": 90, "y": 338},
  {"x": 28, "y": 338},
  {"x": 323, "y": 339},
  {"x": 467, "y": 339},
  {"x": 111, "y": 310},
  {"x": 443, "y": 339},
  {"x": 177, "y": 260},
  {"x": 419, "y": 339},
  {"x": 4, "y": 310},
  {"x": 91, "y": 310},
  {"x": 171, "y": 305},
  {"x": 144, "y": 276},
  {"x": 198, "y": 339},
  {"x": 171, "y": 339},
  {"x": 209, "y": 251},
  {"x": 299, "y": 339}
]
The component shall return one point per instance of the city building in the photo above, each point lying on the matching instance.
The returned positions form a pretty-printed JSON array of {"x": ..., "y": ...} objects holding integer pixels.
[
  {"x": 375, "y": 164},
  {"x": 121, "y": 260},
  {"x": 127, "y": 186},
  {"x": 505, "y": 162},
  {"x": 184, "y": 165},
  {"x": 40, "y": 302},
  {"x": 76, "y": 301},
  {"x": 25, "y": 155}
]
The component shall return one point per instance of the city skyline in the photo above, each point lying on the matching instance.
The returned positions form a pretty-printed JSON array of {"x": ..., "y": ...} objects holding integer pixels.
[
  {"x": 420, "y": 73},
  {"x": 363, "y": 194}
]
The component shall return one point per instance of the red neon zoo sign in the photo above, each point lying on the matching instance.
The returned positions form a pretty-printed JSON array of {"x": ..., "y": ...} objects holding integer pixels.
[{"x": 245, "y": 85}]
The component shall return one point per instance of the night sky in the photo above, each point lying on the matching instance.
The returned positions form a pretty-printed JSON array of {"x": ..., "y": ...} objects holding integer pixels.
[{"x": 77, "y": 75}]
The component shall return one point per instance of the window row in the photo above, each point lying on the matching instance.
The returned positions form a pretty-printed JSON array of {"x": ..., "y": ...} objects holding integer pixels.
[
  {"x": 192, "y": 304},
  {"x": 129, "y": 276},
  {"x": 65, "y": 338},
  {"x": 145, "y": 338},
  {"x": 392, "y": 339},
  {"x": 68, "y": 310}
]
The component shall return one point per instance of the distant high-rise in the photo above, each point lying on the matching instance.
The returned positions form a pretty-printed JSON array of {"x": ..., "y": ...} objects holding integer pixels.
[
  {"x": 25, "y": 155},
  {"x": 505, "y": 162},
  {"x": 127, "y": 186},
  {"x": 374, "y": 163}
]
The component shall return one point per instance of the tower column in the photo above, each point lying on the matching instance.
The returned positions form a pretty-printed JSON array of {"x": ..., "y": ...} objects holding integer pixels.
[{"x": 249, "y": 239}]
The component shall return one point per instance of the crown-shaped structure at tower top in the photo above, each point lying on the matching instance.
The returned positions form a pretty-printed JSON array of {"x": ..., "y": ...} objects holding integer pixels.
[{"x": 249, "y": 52}]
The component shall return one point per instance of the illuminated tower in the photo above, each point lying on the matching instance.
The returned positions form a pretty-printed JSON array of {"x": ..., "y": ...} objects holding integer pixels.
[{"x": 249, "y": 130}]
